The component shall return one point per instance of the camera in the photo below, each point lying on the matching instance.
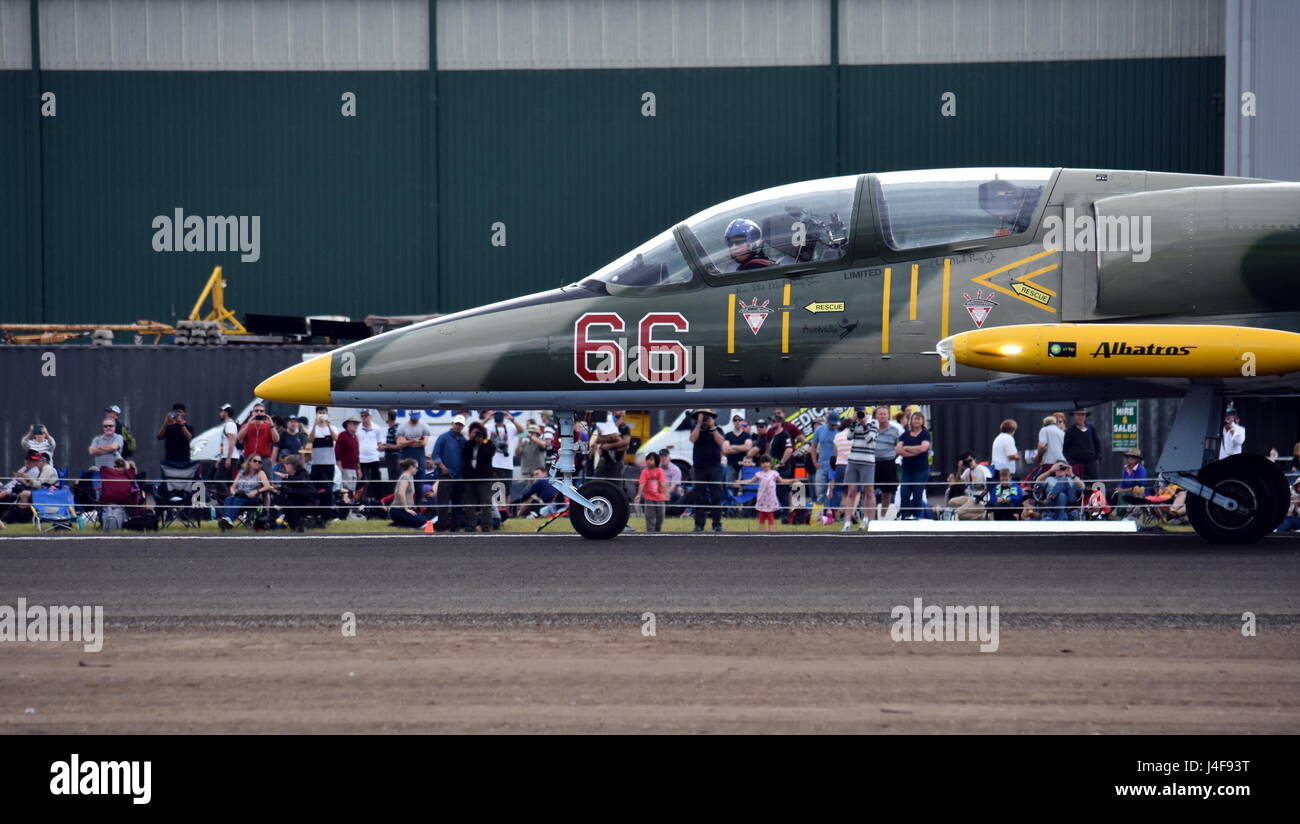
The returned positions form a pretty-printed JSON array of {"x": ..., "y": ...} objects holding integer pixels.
[{"x": 499, "y": 417}]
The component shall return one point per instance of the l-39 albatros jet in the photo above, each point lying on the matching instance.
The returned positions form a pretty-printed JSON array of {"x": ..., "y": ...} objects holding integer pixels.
[{"x": 1018, "y": 285}]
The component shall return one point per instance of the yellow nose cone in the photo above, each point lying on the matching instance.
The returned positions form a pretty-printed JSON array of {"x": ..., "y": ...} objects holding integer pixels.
[{"x": 306, "y": 382}]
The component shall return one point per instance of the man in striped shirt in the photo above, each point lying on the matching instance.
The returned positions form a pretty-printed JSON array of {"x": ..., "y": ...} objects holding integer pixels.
[
  {"x": 886, "y": 469},
  {"x": 861, "y": 472}
]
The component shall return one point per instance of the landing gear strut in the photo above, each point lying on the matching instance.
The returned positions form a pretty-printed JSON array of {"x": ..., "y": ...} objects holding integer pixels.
[
  {"x": 598, "y": 509},
  {"x": 1237, "y": 500},
  {"x": 1241, "y": 499}
]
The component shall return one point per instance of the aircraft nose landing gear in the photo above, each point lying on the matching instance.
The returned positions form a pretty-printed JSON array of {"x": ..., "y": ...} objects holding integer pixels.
[
  {"x": 607, "y": 515},
  {"x": 597, "y": 510}
]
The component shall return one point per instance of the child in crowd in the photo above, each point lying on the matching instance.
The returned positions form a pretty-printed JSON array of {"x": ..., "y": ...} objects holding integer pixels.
[
  {"x": 766, "y": 503},
  {"x": 650, "y": 489}
]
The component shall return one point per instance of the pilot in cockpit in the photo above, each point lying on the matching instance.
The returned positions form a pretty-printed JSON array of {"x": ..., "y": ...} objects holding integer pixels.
[{"x": 745, "y": 245}]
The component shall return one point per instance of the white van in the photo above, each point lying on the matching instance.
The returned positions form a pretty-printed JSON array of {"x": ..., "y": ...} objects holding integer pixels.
[{"x": 676, "y": 437}]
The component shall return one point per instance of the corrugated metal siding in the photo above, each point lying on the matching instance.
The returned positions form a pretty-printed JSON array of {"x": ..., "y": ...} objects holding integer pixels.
[
  {"x": 1124, "y": 114},
  {"x": 619, "y": 34},
  {"x": 976, "y": 31},
  {"x": 578, "y": 176},
  {"x": 1263, "y": 59},
  {"x": 143, "y": 381},
  {"x": 563, "y": 158},
  {"x": 341, "y": 200},
  {"x": 15, "y": 34},
  {"x": 234, "y": 35},
  {"x": 20, "y": 297}
]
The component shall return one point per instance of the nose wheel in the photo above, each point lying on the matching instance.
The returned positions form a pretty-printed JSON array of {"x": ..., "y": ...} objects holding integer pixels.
[
  {"x": 598, "y": 509},
  {"x": 607, "y": 514}
]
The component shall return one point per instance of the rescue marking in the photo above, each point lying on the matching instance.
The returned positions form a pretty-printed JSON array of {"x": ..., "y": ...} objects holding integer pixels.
[
  {"x": 785, "y": 321},
  {"x": 731, "y": 324},
  {"x": 884, "y": 315},
  {"x": 911, "y": 312},
  {"x": 986, "y": 279},
  {"x": 817, "y": 307},
  {"x": 947, "y": 282}
]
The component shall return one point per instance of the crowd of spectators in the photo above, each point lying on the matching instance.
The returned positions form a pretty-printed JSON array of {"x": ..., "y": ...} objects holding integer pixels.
[{"x": 297, "y": 471}]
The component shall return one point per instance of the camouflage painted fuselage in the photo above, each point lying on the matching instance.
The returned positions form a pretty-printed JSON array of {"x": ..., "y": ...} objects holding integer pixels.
[{"x": 864, "y": 328}]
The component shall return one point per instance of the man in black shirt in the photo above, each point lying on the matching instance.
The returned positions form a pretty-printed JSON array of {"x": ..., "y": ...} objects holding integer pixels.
[
  {"x": 739, "y": 442},
  {"x": 706, "y": 469},
  {"x": 390, "y": 450},
  {"x": 1083, "y": 446},
  {"x": 176, "y": 433},
  {"x": 781, "y": 447}
]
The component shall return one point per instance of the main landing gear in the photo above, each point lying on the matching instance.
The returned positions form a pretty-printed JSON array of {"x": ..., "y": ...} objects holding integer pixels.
[
  {"x": 1236, "y": 500},
  {"x": 597, "y": 509}
]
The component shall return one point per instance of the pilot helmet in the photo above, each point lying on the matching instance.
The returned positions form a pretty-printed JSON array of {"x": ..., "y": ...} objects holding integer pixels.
[{"x": 747, "y": 229}]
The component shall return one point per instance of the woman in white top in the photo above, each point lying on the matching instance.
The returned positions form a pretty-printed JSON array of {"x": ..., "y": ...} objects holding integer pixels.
[
  {"x": 1005, "y": 453},
  {"x": 322, "y": 449}
]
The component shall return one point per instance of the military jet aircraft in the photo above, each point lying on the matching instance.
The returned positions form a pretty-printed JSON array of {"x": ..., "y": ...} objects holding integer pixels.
[{"x": 1017, "y": 285}]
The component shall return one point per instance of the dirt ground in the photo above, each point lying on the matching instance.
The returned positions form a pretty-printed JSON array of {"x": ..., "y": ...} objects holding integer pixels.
[{"x": 612, "y": 679}]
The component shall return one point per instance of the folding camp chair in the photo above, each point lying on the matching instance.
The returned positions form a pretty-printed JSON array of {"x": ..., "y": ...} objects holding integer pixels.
[
  {"x": 181, "y": 495},
  {"x": 119, "y": 495},
  {"x": 53, "y": 508},
  {"x": 742, "y": 498}
]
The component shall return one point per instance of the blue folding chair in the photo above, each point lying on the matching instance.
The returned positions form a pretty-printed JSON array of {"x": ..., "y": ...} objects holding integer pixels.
[
  {"x": 747, "y": 494},
  {"x": 53, "y": 508}
]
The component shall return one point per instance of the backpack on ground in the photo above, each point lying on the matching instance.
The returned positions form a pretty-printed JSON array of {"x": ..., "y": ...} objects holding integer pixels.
[{"x": 112, "y": 518}]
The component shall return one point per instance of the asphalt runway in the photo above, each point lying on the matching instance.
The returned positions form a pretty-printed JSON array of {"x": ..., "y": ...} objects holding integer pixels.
[
  {"x": 1171, "y": 579},
  {"x": 495, "y": 633}
]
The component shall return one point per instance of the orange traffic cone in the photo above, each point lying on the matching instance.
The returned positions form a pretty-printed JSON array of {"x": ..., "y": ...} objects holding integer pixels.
[{"x": 428, "y": 525}]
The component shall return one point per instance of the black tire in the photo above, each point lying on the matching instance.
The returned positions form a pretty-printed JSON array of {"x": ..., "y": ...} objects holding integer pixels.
[
  {"x": 609, "y": 518},
  {"x": 1253, "y": 481}
]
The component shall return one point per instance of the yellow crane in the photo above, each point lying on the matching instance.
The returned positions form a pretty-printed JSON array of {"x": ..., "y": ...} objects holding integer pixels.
[{"x": 215, "y": 287}]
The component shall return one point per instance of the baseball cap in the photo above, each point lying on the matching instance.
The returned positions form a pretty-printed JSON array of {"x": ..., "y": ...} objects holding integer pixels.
[
  {"x": 225, "y": 407},
  {"x": 365, "y": 413},
  {"x": 33, "y": 454},
  {"x": 351, "y": 420},
  {"x": 458, "y": 419},
  {"x": 114, "y": 408},
  {"x": 414, "y": 413}
]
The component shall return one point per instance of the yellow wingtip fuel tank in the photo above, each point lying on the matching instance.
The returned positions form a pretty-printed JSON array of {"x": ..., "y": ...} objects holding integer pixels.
[{"x": 1127, "y": 350}]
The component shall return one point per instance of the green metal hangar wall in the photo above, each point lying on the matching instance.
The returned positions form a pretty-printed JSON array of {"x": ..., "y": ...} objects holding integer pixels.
[{"x": 401, "y": 156}]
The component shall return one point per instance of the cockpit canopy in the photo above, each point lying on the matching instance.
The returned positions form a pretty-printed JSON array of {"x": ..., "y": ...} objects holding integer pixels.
[
  {"x": 799, "y": 223},
  {"x": 938, "y": 206},
  {"x": 811, "y": 224}
]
